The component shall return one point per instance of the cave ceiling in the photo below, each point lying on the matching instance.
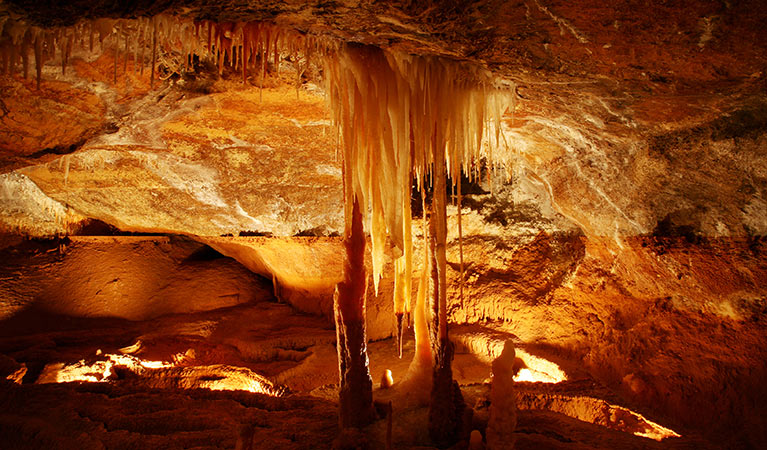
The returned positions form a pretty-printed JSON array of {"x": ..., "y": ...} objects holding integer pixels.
[{"x": 627, "y": 113}]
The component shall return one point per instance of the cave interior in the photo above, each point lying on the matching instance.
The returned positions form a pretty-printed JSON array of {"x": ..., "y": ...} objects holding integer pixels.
[{"x": 531, "y": 224}]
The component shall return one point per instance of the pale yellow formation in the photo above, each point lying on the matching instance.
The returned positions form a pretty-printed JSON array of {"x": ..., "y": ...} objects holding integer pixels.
[{"x": 400, "y": 116}]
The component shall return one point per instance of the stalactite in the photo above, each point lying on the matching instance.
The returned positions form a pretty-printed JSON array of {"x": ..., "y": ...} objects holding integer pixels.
[
  {"x": 39, "y": 58},
  {"x": 219, "y": 51},
  {"x": 210, "y": 38},
  {"x": 104, "y": 28},
  {"x": 68, "y": 52},
  {"x": 144, "y": 26},
  {"x": 245, "y": 50},
  {"x": 26, "y": 43},
  {"x": 154, "y": 52},
  {"x": 127, "y": 51},
  {"x": 4, "y": 59},
  {"x": 406, "y": 95},
  {"x": 263, "y": 73},
  {"x": 49, "y": 45},
  {"x": 277, "y": 52},
  {"x": 136, "y": 45},
  {"x": 117, "y": 51}
]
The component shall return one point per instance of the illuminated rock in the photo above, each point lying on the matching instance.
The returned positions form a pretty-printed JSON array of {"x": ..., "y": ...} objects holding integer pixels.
[
  {"x": 10, "y": 370},
  {"x": 305, "y": 270},
  {"x": 32, "y": 126},
  {"x": 239, "y": 164},
  {"x": 135, "y": 278}
]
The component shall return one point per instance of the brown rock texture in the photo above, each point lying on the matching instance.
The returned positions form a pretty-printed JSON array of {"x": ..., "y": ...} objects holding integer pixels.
[
  {"x": 33, "y": 121},
  {"x": 243, "y": 165},
  {"x": 134, "y": 278},
  {"x": 305, "y": 271},
  {"x": 676, "y": 326}
]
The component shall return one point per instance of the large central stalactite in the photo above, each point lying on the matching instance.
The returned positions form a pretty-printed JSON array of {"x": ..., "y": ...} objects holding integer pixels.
[{"x": 403, "y": 116}]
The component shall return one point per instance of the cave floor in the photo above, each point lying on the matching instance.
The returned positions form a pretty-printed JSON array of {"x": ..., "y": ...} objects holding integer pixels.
[{"x": 169, "y": 407}]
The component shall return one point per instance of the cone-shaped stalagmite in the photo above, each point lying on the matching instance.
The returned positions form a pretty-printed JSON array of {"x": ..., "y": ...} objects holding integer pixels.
[{"x": 503, "y": 406}]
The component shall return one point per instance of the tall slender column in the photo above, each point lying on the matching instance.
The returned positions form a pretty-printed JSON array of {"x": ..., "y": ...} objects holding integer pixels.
[
  {"x": 447, "y": 405},
  {"x": 356, "y": 386}
]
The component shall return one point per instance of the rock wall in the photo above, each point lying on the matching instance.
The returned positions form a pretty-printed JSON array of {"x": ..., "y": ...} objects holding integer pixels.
[{"x": 134, "y": 278}]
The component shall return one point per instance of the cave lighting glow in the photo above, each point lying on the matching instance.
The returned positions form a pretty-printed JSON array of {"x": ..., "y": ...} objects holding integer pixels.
[{"x": 214, "y": 377}]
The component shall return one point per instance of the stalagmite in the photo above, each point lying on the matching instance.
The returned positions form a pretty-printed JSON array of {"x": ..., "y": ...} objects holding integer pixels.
[
  {"x": 419, "y": 374},
  {"x": 356, "y": 386},
  {"x": 387, "y": 380},
  {"x": 460, "y": 244},
  {"x": 503, "y": 403},
  {"x": 143, "y": 27},
  {"x": 475, "y": 441}
]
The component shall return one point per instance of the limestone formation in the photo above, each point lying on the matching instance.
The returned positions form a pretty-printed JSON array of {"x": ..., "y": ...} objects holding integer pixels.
[
  {"x": 355, "y": 389},
  {"x": 503, "y": 402},
  {"x": 584, "y": 179}
]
